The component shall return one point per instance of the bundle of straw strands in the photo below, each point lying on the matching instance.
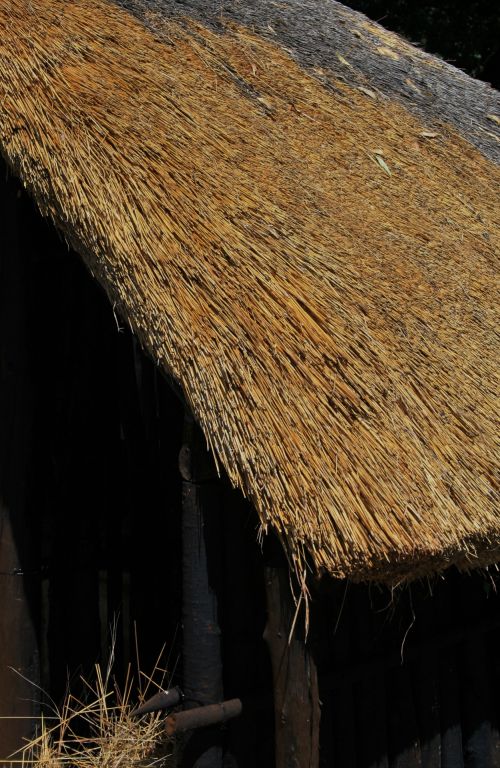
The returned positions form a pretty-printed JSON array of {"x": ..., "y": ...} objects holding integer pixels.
[
  {"x": 100, "y": 733},
  {"x": 314, "y": 266}
]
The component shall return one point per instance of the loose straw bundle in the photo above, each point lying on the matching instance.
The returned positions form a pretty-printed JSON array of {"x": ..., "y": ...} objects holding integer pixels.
[{"x": 99, "y": 732}]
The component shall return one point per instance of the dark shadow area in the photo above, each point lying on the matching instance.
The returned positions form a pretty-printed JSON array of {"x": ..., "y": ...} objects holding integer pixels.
[
  {"x": 98, "y": 532},
  {"x": 19, "y": 529},
  {"x": 410, "y": 678}
]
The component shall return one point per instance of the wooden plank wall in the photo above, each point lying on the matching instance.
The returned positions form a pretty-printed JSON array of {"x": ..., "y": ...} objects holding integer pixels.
[
  {"x": 411, "y": 679},
  {"x": 19, "y": 656},
  {"x": 101, "y": 489},
  {"x": 108, "y": 434}
]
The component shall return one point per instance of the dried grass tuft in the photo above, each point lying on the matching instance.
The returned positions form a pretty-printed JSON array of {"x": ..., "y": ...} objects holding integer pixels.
[
  {"x": 100, "y": 733},
  {"x": 315, "y": 266}
]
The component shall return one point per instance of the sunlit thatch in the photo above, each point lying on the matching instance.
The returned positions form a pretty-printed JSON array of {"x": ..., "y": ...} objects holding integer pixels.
[{"x": 315, "y": 266}]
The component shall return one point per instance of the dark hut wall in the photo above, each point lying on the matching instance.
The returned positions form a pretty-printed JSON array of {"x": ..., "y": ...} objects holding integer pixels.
[
  {"x": 410, "y": 680},
  {"x": 101, "y": 489},
  {"x": 18, "y": 594}
]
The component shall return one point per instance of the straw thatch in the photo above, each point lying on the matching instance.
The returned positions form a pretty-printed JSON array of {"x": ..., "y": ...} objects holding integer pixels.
[
  {"x": 328, "y": 38},
  {"x": 99, "y": 731},
  {"x": 315, "y": 263}
]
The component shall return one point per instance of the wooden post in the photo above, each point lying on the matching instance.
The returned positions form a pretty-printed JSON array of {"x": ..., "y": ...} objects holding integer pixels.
[
  {"x": 19, "y": 666},
  {"x": 247, "y": 666},
  {"x": 296, "y": 700},
  {"x": 201, "y": 536},
  {"x": 19, "y": 673}
]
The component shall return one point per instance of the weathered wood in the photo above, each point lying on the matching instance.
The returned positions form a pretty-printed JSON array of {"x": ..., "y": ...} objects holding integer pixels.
[
  {"x": 427, "y": 686},
  {"x": 202, "y": 661},
  {"x": 19, "y": 666},
  {"x": 200, "y": 717},
  {"x": 404, "y": 742},
  {"x": 247, "y": 667},
  {"x": 340, "y": 648},
  {"x": 451, "y": 731},
  {"x": 296, "y": 698},
  {"x": 161, "y": 700}
]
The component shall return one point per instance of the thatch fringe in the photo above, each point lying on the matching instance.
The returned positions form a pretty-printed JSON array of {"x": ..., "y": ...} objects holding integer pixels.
[{"x": 315, "y": 266}]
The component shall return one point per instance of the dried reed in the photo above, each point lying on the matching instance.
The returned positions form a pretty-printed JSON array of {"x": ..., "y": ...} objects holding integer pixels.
[
  {"x": 100, "y": 733},
  {"x": 314, "y": 265}
]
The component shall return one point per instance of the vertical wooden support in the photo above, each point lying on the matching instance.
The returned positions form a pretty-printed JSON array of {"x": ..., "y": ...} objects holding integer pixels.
[
  {"x": 247, "y": 667},
  {"x": 426, "y": 683},
  {"x": 19, "y": 667},
  {"x": 476, "y": 708},
  {"x": 296, "y": 700},
  {"x": 19, "y": 672},
  {"x": 340, "y": 641},
  {"x": 201, "y": 536},
  {"x": 368, "y": 737}
]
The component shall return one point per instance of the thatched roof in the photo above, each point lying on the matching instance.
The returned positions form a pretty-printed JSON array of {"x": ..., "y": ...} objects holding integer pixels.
[{"x": 298, "y": 214}]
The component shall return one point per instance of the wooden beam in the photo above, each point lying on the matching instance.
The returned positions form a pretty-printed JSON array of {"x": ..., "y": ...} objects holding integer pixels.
[
  {"x": 201, "y": 537},
  {"x": 296, "y": 700},
  {"x": 19, "y": 667},
  {"x": 201, "y": 717}
]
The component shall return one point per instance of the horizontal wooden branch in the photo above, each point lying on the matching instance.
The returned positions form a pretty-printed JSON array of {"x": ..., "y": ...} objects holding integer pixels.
[
  {"x": 161, "y": 700},
  {"x": 199, "y": 717}
]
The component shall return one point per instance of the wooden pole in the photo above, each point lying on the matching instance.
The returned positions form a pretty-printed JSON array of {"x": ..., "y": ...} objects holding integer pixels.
[
  {"x": 296, "y": 700},
  {"x": 201, "y": 535},
  {"x": 19, "y": 667},
  {"x": 201, "y": 717}
]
